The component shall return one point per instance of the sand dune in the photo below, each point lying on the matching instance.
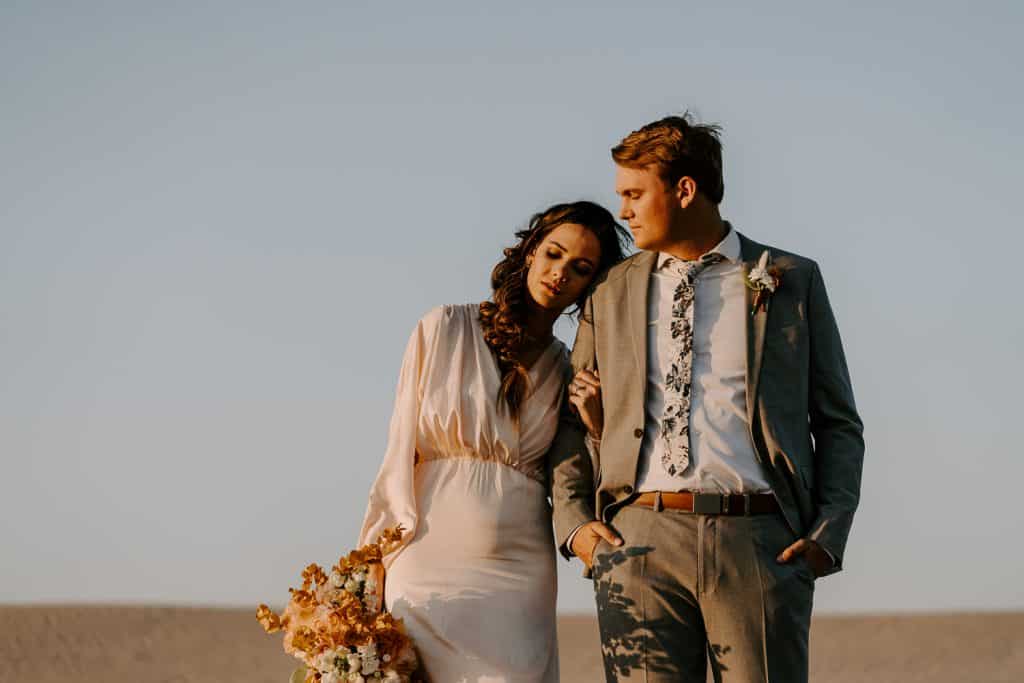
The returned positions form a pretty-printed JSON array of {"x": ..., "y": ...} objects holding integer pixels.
[{"x": 198, "y": 645}]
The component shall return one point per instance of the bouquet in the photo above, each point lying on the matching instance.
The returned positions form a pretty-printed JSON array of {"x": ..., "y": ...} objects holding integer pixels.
[{"x": 334, "y": 623}]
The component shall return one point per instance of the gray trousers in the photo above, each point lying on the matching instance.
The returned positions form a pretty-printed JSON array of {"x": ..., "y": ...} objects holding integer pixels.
[{"x": 686, "y": 588}]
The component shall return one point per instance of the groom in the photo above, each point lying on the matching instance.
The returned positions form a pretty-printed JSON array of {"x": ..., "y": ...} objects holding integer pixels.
[{"x": 710, "y": 466}]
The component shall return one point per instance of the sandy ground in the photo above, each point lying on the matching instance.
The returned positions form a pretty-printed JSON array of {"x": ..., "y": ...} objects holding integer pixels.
[{"x": 194, "y": 645}]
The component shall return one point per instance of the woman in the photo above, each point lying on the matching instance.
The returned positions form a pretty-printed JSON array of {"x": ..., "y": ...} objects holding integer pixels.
[{"x": 477, "y": 406}]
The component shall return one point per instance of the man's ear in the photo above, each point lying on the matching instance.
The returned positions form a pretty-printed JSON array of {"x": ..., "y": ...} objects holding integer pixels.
[{"x": 686, "y": 191}]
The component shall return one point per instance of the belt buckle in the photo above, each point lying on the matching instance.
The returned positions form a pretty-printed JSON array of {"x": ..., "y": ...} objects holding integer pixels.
[{"x": 707, "y": 503}]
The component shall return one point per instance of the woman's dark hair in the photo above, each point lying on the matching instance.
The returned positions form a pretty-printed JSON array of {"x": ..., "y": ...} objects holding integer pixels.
[{"x": 504, "y": 318}]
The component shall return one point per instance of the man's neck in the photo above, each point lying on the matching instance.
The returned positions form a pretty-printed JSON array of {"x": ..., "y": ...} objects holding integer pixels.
[{"x": 701, "y": 237}]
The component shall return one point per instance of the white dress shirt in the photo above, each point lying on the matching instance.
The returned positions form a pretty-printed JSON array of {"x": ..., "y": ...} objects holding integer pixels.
[{"x": 722, "y": 458}]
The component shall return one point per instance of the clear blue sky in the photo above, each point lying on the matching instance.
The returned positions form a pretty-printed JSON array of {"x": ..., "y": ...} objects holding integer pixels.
[{"x": 219, "y": 223}]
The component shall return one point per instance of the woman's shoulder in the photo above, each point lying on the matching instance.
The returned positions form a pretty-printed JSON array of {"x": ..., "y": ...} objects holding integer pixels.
[{"x": 449, "y": 316}]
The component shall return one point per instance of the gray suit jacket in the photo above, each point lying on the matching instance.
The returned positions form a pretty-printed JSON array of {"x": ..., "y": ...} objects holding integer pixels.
[{"x": 804, "y": 424}]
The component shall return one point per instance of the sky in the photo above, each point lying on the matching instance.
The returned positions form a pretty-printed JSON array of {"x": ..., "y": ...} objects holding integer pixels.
[{"x": 219, "y": 223}]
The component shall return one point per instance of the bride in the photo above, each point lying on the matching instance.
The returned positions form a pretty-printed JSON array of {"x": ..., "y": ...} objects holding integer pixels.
[{"x": 477, "y": 406}]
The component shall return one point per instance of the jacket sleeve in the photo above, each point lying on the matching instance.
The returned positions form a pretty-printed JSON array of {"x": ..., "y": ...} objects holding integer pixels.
[
  {"x": 835, "y": 426},
  {"x": 569, "y": 460}
]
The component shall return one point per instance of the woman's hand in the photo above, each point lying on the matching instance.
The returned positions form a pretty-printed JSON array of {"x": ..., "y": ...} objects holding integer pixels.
[{"x": 585, "y": 397}]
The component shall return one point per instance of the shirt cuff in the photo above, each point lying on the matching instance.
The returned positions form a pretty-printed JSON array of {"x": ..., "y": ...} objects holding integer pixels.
[{"x": 568, "y": 543}]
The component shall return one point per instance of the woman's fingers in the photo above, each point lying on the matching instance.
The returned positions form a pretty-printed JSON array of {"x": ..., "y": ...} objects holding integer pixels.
[{"x": 587, "y": 378}]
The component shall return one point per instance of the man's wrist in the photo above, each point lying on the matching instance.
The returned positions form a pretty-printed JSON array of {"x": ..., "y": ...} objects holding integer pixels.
[{"x": 572, "y": 537}]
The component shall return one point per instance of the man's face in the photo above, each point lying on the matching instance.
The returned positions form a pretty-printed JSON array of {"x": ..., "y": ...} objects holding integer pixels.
[{"x": 649, "y": 206}]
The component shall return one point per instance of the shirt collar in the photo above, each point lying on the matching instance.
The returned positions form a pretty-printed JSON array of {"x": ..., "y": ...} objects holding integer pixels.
[{"x": 729, "y": 247}]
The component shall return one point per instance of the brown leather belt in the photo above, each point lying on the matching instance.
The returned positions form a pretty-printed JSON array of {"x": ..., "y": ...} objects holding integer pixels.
[{"x": 709, "y": 503}]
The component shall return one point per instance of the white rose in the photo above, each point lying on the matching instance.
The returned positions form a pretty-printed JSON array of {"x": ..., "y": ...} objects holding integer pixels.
[
  {"x": 337, "y": 580},
  {"x": 759, "y": 273},
  {"x": 354, "y": 661},
  {"x": 762, "y": 263}
]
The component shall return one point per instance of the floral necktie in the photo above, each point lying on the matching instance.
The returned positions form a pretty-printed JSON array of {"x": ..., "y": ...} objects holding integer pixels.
[{"x": 675, "y": 420}]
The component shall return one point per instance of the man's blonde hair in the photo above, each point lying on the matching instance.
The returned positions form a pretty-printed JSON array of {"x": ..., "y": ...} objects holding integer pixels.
[{"x": 676, "y": 146}]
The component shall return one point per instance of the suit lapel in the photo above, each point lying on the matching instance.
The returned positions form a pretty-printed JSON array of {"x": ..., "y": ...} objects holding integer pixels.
[
  {"x": 751, "y": 251},
  {"x": 637, "y": 281}
]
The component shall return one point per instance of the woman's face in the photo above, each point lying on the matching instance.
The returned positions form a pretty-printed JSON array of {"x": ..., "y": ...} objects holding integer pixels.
[{"x": 562, "y": 266}]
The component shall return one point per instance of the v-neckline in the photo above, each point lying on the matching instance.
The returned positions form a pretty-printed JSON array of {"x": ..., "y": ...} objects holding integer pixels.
[
  {"x": 530, "y": 371},
  {"x": 541, "y": 356}
]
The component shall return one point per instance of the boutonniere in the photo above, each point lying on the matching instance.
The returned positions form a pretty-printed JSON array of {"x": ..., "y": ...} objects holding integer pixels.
[{"x": 764, "y": 280}]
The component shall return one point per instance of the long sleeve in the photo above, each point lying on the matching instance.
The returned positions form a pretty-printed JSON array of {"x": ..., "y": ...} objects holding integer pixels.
[
  {"x": 572, "y": 467},
  {"x": 392, "y": 497},
  {"x": 836, "y": 426}
]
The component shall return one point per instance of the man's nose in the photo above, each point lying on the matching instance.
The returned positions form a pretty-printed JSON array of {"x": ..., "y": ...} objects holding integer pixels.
[{"x": 624, "y": 211}]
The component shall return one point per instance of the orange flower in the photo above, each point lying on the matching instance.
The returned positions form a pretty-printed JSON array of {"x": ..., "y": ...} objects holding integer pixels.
[
  {"x": 389, "y": 538},
  {"x": 302, "y": 598},
  {"x": 303, "y": 639},
  {"x": 313, "y": 574},
  {"x": 268, "y": 619}
]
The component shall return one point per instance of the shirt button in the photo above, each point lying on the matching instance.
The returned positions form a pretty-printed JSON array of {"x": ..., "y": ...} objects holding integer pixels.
[{"x": 638, "y": 433}]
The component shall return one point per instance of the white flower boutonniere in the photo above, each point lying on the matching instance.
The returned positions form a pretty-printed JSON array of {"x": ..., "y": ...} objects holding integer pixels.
[{"x": 764, "y": 280}]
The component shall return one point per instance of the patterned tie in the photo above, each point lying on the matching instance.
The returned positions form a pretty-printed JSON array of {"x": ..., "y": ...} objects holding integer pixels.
[{"x": 675, "y": 420}]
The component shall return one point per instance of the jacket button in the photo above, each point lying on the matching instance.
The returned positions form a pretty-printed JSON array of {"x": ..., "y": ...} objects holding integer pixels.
[
  {"x": 627, "y": 488},
  {"x": 638, "y": 433}
]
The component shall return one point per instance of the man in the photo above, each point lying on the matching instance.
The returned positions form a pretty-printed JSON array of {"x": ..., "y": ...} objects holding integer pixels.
[{"x": 725, "y": 450}]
